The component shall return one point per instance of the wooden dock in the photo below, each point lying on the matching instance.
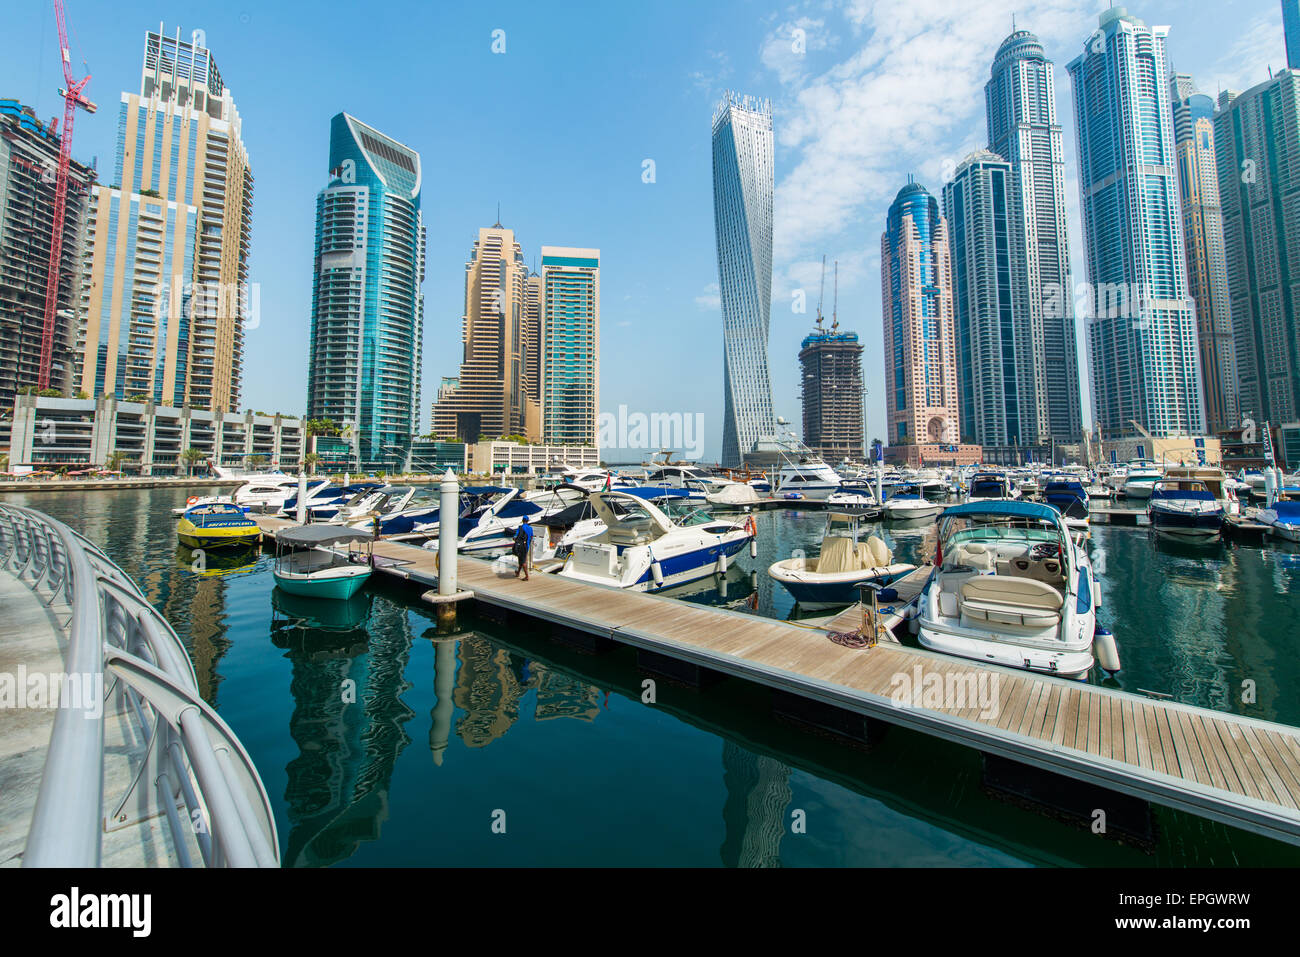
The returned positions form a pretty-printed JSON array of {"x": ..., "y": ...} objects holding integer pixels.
[{"x": 1236, "y": 770}]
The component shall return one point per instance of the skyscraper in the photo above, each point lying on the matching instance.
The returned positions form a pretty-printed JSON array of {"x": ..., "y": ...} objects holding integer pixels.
[
  {"x": 166, "y": 295},
  {"x": 742, "y": 216},
  {"x": 367, "y": 307},
  {"x": 1257, "y": 137},
  {"x": 995, "y": 341},
  {"x": 1207, "y": 269},
  {"x": 491, "y": 397},
  {"x": 570, "y": 323},
  {"x": 920, "y": 358},
  {"x": 1142, "y": 343},
  {"x": 1020, "y": 99},
  {"x": 1291, "y": 27},
  {"x": 29, "y": 157}
]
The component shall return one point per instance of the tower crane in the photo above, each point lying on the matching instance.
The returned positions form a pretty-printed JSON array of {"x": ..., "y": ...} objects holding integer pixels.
[{"x": 73, "y": 96}]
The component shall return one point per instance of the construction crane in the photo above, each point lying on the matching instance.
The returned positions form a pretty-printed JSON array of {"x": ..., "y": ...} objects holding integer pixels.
[
  {"x": 835, "y": 303},
  {"x": 821, "y": 295},
  {"x": 73, "y": 96}
]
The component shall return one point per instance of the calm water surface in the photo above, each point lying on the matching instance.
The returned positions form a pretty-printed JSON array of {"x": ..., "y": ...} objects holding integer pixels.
[{"x": 499, "y": 724}]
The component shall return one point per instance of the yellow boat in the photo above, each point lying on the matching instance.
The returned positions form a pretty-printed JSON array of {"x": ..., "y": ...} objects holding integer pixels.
[{"x": 217, "y": 525}]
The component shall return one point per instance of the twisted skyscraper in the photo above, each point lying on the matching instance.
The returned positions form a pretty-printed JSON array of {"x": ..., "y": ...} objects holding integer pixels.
[{"x": 742, "y": 215}]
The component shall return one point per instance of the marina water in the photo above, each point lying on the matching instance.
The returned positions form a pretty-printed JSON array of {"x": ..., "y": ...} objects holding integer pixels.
[{"x": 382, "y": 744}]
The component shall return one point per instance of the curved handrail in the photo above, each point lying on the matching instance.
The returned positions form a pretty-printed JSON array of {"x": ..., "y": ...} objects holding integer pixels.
[{"x": 118, "y": 639}]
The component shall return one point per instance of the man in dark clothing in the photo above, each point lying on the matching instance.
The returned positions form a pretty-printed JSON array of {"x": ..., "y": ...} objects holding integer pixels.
[{"x": 523, "y": 548}]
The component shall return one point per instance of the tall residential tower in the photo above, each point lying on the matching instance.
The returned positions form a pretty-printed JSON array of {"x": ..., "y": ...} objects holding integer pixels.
[
  {"x": 1142, "y": 344},
  {"x": 920, "y": 355},
  {"x": 166, "y": 294},
  {"x": 570, "y": 338},
  {"x": 742, "y": 216},
  {"x": 367, "y": 306},
  {"x": 1020, "y": 99}
]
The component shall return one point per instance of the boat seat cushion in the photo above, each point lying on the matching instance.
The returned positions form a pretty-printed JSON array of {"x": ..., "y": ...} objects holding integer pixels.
[
  {"x": 839, "y": 554},
  {"x": 1000, "y": 599},
  {"x": 974, "y": 555}
]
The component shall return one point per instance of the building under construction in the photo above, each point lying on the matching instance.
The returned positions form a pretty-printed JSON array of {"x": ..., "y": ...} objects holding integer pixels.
[
  {"x": 29, "y": 161},
  {"x": 831, "y": 374}
]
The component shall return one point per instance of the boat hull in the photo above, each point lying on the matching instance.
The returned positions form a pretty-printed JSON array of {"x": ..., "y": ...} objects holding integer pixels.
[
  {"x": 318, "y": 585},
  {"x": 821, "y": 591}
]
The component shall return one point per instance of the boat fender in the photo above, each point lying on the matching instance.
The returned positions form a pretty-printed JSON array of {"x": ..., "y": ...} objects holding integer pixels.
[
  {"x": 753, "y": 545},
  {"x": 657, "y": 573},
  {"x": 1105, "y": 650},
  {"x": 722, "y": 563}
]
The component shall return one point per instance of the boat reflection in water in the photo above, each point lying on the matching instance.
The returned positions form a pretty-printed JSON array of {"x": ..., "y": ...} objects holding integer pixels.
[
  {"x": 307, "y": 623},
  {"x": 218, "y": 564}
]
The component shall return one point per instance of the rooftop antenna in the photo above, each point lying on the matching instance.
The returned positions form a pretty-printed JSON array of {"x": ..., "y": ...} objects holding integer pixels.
[
  {"x": 821, "y": 295},
  {"x": 835, "y": 303}
]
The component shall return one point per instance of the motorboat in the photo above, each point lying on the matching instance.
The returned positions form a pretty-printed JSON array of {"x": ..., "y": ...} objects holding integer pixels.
[
  {"x": 855, "y": 496},
  {"x": 325, "y": 494},
  {"x": 844, "y": 564},
  {"x": 1253, "y": 479},
  {"x": 643, "y": 549},
  {"x": 308, "y": 564},
  {"x": 217, "y": 525},
  {"x": 1140, "y": 478},
  {"x": 592, "y": 480},
  {"x": 1012, "y": 587},
  {"x": 1282, "y": 519},
  {"x": 1066, "y": 494},
  {"x": 992, "y": 487},
  {"x": 491, "y": 514},
  {"x": 269, "y": 493},
  {"x": 809, "y": 478},
  {"x": 905, "y": 502},
  {"x": 365, "y": 505},
  {"x": 1116, "y": 477},
  {"x": 1185, "y": 510},
  {"x": 193, "y": 500}
]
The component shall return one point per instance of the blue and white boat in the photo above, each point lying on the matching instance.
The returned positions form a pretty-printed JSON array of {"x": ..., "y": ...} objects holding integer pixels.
[
  {"x": 1140, "y": 478},
  {"x": 1282, "y": 519},
  {"x": 1068, "y": 496},
  {"x": 1012, "y": 587},
  {"x": 324, "y": 495},
  {"x": 491, "y": 514},
  {"x": 1185, "y": 509},
  {"x": 845, "y": 563},
  {"x": 643, "y": 549},
  {"x": 992, "y": 487}
]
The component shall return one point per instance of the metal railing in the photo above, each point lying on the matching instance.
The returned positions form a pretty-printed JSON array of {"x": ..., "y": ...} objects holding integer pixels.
[{"x": 190, "y": 766}]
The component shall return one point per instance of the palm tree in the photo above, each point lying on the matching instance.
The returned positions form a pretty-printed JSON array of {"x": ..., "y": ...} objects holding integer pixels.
[
  {"x": 257, "y": 461},
  {"x": 311, "y": 460},
  {"x": 114, "y": 461},
  {"x": 192, "y": 457}
]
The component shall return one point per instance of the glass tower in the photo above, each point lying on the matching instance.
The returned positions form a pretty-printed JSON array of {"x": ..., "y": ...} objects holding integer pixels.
[
  {"x": 1257, "y": 137},
  {"x": 742, "y": 216},
  {"x": 1291, "y": 26},
  {"x": 570, "y": 323},
  {"x": 916, "y": 292},
  {"x": 995, "y": 341},
  {"x": 1020, "y": 98},
  {"x": 1207, "y": 268},
  {"x": 1142, "y": 344},
  {"x": 367, "y": 307}
]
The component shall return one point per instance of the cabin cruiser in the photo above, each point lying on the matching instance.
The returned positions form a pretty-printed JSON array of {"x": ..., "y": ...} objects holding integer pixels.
[
  {"x": 1253, "y": 479},
  {"x": 1140, "y": 478},
  {"x": 906, "y": 502},
  {"x": 1066, "y": 494},
  {"x": 809, "y": 478},
  {"x": 269, "y": 493},
  {"x": 855, "y": 496},
  {"x": 593, "y": 480},
  {"x": 643, "y": 549},
  {"x": 845, "y": 563},
  {"x": 1185, "y": 509},
  {"x": 992, "y": 487},
  {"x": 363, "y": 506},
  {"x": 1011, "y": 587},
  {"x": 1116, "y": 477},
  {"x": 324, "y": 493}
]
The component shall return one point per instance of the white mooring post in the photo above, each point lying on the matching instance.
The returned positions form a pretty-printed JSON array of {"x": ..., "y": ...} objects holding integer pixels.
[
  {"x": 448, "y": 526},
  {"x": 302, "y": 497}
]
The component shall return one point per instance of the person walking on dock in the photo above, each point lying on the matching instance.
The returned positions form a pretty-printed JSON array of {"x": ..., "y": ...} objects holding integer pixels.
[{"x": 523, "y": 547}]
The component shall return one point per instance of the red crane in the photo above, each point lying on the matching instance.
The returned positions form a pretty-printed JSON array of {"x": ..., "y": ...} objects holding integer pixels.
[{"x": 73, "y": 97}]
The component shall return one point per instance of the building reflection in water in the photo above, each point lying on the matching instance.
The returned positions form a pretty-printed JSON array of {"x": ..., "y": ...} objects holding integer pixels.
[
  {"x": 754, "y": 812},
  {"x": 349, "y": 736}
]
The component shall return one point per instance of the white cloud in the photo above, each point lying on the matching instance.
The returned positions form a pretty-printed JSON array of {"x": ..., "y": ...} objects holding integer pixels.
[
  {"x": 710, "y": 299},
  {"x": 785, "y": 49},
  {"x": 1245, "y": 63}
]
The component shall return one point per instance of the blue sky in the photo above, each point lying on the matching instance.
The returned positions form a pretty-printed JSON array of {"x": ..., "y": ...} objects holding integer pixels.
[{"x": 556, "y": 130}]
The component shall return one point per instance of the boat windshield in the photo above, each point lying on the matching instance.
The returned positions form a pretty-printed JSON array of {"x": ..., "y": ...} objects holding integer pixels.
[
  {"x": 684, "y": 514},
  {"x": 998, "y": 528}
]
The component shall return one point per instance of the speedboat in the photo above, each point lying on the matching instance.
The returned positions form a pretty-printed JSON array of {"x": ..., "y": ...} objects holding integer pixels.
[
  {"x": 1185, "y": 510},
  {"x": 217, "y": 525},
  {"x": 364, "y": 505},
  {"x": 1282, "y": 519},
  {"x": 992, "y": 487},
  {"x": 269, "y": 494},
  {"x": 1011, "y": 587},
  {"x": 643, "y": 549},
  {"x": 1067, "y": 495},
  {"x": 906, "y": 502},
  {"x": 193, "y": 500},
  {"x": 491, "y": 514},
  {"x": 857, "y": 497},
  {"x": 306, "y": 563},
  {"x": 1141, "y": 478},
  {"x": 324, "y": 494},
  {"x": 1253, "y": 479},
  {"x": 845, "y": 563}
]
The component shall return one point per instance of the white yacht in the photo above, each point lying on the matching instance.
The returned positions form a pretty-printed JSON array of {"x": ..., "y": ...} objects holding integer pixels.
[
  {"x": 1141, "y": 478},
  {"x": 809, "y": 478}
]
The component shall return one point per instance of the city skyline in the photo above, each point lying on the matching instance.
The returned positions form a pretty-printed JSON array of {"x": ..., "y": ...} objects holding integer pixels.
[{"x": 636, "y": 297}]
